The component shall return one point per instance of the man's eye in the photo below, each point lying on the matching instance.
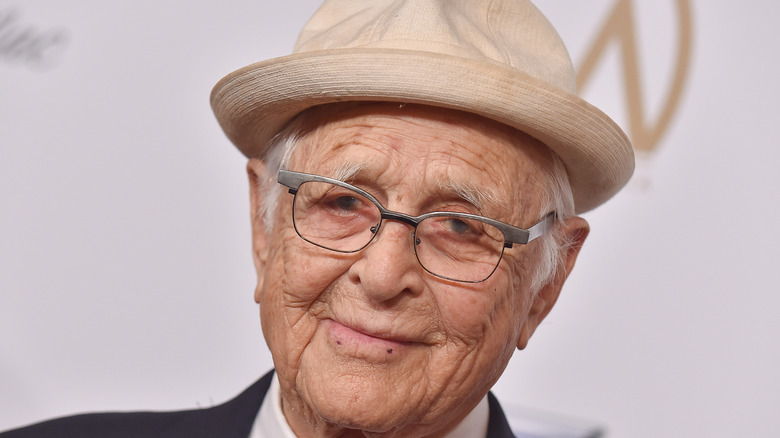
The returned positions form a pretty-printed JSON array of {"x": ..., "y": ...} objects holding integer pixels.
[
  {"x": 458, "y": 225},
  {"x": 346, "y": 203}
]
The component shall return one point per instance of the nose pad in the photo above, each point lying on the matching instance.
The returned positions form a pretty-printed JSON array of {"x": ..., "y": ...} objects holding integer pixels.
[
  {"x": 387, "y": 227},
  {"x": 387, "y": 221},
  {"x": 413, "y": 233}
]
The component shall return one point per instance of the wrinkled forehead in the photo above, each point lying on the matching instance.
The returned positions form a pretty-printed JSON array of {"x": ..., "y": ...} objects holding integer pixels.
[{"x": 432, "y": 146}]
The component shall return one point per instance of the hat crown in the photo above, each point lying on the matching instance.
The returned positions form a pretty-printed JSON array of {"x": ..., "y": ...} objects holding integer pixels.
[
  {"x": 512, "y": 33},
  {"x": 499, "y": 59}
]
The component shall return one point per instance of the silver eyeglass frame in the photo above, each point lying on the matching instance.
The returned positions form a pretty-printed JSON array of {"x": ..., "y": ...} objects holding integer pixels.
[{"x": 512, "y": 234}]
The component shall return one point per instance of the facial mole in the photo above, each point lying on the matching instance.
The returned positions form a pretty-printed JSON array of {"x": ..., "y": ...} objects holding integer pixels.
[
  {"x": 338, "y": 341},
  {"x": 389, "y": 351}
]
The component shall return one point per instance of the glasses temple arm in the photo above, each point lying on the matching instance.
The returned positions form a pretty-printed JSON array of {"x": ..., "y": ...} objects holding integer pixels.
[{"x": 542, "y": 227}]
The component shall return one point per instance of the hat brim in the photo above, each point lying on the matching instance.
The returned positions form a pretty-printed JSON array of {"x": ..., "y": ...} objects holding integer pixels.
[{"x": 254, "y": 103}]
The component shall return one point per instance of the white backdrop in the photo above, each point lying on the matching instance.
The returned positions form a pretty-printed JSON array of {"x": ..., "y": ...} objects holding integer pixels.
[{"x": 125, "y": 273}]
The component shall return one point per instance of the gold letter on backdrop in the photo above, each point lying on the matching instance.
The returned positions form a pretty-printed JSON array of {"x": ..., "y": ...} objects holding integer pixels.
[{"x": 620, "y": 27}]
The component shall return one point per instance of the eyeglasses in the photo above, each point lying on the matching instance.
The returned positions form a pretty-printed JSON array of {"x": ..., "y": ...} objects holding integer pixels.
[{"x": 463, "y": 247}]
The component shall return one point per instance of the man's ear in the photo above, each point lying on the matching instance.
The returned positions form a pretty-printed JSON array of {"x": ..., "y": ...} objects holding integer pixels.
[
  {"x": 256, "y": 171},
  {"x": 572, "y": 234}
]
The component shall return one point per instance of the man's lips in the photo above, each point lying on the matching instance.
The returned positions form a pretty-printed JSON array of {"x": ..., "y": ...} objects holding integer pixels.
[{"x": 364, "y": 342}]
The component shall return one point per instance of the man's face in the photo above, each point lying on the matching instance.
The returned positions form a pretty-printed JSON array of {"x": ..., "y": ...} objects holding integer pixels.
[{"x": 370, "y": 340}]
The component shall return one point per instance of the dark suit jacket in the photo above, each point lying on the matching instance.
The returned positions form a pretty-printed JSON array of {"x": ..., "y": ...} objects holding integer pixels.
[{"x": 233, "y": 419}]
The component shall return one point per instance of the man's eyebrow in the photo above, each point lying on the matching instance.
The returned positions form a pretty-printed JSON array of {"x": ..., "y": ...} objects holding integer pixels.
[
  {"x": 347, "y": 171},
  {"x": 477, "y": 196}
]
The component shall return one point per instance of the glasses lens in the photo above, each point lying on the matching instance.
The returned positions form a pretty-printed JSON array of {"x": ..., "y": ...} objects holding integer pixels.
[
  {"x": 334, "y": 217},
  {"x": 457, "y": 248}
]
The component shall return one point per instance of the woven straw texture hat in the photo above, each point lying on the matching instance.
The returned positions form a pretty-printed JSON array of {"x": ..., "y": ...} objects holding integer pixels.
[{"x": 501, "y": 59}]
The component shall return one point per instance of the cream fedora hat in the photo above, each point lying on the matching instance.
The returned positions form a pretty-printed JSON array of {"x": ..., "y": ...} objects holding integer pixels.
[{"x": 500, "y": 59}]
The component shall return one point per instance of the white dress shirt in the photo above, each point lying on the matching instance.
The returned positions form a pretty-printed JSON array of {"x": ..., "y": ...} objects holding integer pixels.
[{"x": 270, "y": 421}]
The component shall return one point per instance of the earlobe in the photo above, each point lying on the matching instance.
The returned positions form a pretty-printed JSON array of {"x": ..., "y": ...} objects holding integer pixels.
[
  {"x": 572, "y": 234},
  {"x": 256, "y": 170}
]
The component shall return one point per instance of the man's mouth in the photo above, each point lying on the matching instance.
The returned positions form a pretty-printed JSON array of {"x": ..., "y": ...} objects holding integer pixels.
[{"x": 365, "y": 343}]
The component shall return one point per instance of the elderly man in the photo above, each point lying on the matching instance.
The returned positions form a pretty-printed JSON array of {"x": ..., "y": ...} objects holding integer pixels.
[{"x": 415, "y": 169}]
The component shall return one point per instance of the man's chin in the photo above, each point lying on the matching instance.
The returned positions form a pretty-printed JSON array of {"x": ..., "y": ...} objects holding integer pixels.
[
  {"x": 366, "y": 413},
  {"x": 354, "y": 394}
]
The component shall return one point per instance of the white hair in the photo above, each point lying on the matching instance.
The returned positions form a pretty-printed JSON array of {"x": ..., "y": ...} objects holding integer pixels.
[
  {"x": 278, "y": 155},
  {"x": 556, "y": 197}
]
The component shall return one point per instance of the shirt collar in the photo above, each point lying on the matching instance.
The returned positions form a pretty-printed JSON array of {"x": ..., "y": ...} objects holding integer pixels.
[{"x": 270, "y": 421}]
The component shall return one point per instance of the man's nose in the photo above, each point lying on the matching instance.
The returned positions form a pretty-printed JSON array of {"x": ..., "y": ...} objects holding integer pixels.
[{"x": 388, "y": 266}]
